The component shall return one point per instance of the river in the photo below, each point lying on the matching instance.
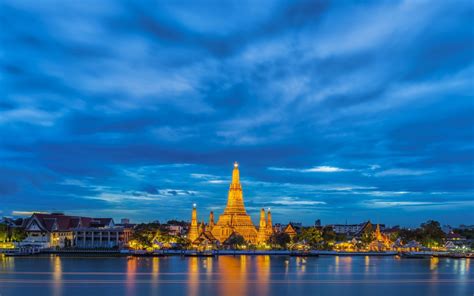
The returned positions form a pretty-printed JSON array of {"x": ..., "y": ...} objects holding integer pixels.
[{"x": 229, "y": 275}]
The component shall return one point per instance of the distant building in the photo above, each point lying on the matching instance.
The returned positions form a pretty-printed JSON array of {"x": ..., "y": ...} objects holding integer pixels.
[
  {"x": 296, "y": 225},
  {"x": 317, "y": 223},
  {"x": 124, "y": 221},
  {"x": 352, "y": 229},
  {"x": 455, "y": 237},
  {"x": 290, "y": 230},
  {"x": 59, "y": 230},
  {"x": 278, "y": 227},
  {"x": 175, "y": 229}
]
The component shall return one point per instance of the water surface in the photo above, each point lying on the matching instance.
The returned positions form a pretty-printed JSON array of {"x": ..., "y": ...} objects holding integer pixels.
[{"x": 240, "y": 275}]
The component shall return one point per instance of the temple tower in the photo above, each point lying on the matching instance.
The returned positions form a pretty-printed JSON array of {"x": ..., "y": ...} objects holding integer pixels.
[
  {"x": 269, "y": 224},
  {"x": 235, "y": 199},
  {"x": 193, "y": 229},
  {"x": 262, "y": 230},
  {"x": 378, "y": 234},
  {"x": 201, "y": 228},
  {"x": 235, "y": 218},
  {"x": 211, "y": 221}
]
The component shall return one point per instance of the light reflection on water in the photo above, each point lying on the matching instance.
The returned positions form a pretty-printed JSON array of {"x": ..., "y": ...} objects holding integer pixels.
[
  {"x": 263, "y": 273},
  {"x": 233, "y": 271},
  {"x": 434, "y": 263},
  {"x": 57, "y": 274},
  {"x": 131, "y": 273},
  {"x": 155, "y": 274},
  {"x": 343, "y": 264},
  {"x": 367, "y": 263},
  {"x": 239, "y": 275},
  {"x": 193, "y": 276}
]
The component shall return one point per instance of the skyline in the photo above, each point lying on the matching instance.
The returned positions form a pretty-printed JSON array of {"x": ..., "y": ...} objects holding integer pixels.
[{"x": 334, "y": 112}]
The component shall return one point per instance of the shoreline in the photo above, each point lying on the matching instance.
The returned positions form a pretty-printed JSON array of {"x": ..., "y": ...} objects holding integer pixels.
[{"x": 216, "y": 253}]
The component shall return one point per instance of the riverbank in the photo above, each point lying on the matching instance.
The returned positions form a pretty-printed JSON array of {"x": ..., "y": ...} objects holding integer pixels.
[{"x": 214, "y": 253}]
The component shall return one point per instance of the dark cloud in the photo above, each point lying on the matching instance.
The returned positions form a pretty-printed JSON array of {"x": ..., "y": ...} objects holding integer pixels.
[{"x": 117, "y": 108}]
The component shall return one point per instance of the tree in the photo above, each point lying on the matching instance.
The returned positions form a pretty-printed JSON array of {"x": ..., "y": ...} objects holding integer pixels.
[
  {"x": 140, "y": 241},
  {"x": 235, "y": 240},
  {"x": 18, "y": 234},
  {"x": 431, "y": 234},
  {"x": 328, "y": 234},
  {"x": 407, "y": 235},
  {"x": 182, "y": 243},
  {"x": 280, "y": 239},
  {"x": 330, "y": 237},
  {"x": 467, "y": 233},
  {"x": 144, "y": 234},
  {"x": 3, "y": 232},
  {"x": 311, "y": 236}
]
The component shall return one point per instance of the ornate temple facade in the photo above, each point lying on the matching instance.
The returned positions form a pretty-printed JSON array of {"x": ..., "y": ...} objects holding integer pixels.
[
  {"x": 381, "y": 242},
  {"x": 235, "y": 218}
]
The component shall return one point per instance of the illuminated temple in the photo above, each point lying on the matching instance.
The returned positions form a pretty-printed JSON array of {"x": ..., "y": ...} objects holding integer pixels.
[{"x": 234, "y": 220}]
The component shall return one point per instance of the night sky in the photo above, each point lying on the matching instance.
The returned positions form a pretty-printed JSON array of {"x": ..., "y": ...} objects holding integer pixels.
[{"x": 338, "y": 111}]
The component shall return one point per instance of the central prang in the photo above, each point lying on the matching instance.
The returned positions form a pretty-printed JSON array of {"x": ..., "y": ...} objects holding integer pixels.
[{"x": 235, "y": 219}]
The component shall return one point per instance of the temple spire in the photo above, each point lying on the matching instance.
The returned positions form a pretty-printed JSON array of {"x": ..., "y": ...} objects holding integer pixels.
[
  {"x": 235, "y": 199},
  {"x": 269, "y": 229},
  {"x": 262, "y": 230},
  {"x": 378, "y": 234},
  {"x": 194, "y": 216},
  {"x": 193, "y": 229},
  {"x": 235, "y": 174},
  {"x": 263, "y": 223},
  {"x": 211, "y": 220},
  {"x": 235, "y": 219},
  {"x": 269, "y": 219}
]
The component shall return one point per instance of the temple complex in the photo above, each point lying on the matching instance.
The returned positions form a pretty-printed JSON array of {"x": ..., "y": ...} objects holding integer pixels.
[
  {"x": 381, "y": 242},
  {"x": 235, "y": 218}
]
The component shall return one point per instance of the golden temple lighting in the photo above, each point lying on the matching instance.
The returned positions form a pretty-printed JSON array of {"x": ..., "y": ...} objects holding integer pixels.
[{"x": 235, "y": 219}]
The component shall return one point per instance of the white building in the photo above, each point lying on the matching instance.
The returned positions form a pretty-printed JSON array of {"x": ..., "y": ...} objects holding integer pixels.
[{"x": 59, "y": 230}]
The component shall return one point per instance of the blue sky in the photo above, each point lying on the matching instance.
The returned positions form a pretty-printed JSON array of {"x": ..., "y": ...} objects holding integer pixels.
[{"x": 334, "y": 110}]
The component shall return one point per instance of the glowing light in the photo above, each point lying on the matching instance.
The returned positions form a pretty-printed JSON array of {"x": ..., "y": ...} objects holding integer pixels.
[{"x": 7, "y": 245}]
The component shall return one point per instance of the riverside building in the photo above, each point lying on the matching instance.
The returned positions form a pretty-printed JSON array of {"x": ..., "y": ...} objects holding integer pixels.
[{"x": 57, "y": 230}]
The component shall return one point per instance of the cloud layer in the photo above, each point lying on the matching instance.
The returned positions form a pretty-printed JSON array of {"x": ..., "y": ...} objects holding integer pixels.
[{"x": 336, "y": 111}]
